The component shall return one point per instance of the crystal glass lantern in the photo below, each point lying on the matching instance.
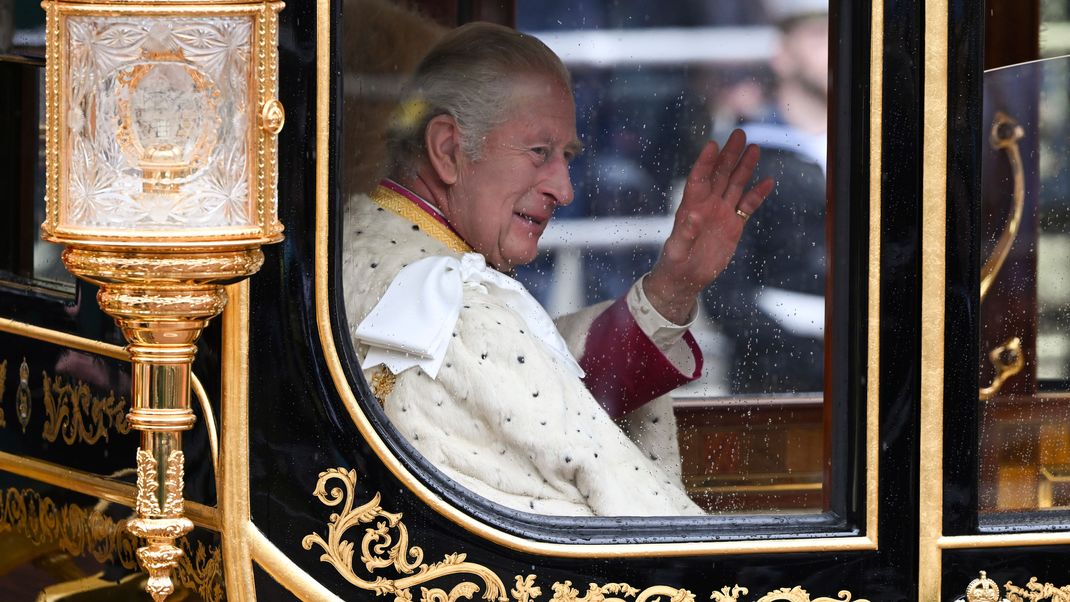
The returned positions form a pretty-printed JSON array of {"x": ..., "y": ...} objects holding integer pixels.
[{"x": 161, "y": 160}]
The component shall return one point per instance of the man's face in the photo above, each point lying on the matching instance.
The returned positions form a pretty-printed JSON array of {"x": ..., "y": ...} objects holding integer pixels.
[
  {"x": 502, "y": 203},
  {"x": 803, "y": 56}
]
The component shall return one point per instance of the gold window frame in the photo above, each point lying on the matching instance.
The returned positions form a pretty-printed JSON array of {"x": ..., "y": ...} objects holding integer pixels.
[{"x": 481, "y": 528}]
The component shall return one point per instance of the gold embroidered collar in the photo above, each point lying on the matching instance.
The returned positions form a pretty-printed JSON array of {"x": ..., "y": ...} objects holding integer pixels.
[{"x": 408, "y": 210}]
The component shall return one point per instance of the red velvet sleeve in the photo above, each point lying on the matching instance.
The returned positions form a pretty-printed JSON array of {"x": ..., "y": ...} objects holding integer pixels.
[{"x": 625, "y": 369}]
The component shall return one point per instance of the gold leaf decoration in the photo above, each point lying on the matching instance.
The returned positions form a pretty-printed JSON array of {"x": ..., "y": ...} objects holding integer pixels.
[
  {"x": 23, "y": 401},
  {"x": 1034, "y": 591},
  {"x": 82, "y": 531},
  {"x": 81, "y": 416},
  {"x": 798, "y": 594},
  {"x": 386, "y": 544},
  {"x": 525, "y": 590},
  {"x": 146, "y": 503},
  {"x": 729, "y": 594},
  {"x": 617, "y": 592},
  {"x": 176, "y": 461}
]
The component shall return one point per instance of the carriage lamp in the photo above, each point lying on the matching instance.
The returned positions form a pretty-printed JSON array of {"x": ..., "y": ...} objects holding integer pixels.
[{"x": 161, "y": 154}]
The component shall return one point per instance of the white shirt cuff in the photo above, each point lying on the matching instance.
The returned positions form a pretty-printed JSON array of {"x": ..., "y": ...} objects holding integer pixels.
[{"x": 666, "y": 335}]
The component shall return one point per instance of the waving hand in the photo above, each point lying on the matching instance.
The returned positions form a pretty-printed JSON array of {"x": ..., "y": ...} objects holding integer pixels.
[{"x": 708, "y": 224}]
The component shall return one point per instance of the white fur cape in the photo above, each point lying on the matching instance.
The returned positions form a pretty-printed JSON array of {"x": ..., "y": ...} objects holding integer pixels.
[{"x": 503, "y": 418}]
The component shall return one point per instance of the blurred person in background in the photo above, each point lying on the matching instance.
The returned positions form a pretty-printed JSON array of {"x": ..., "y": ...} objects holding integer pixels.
[{"x": 770, "y": 301}]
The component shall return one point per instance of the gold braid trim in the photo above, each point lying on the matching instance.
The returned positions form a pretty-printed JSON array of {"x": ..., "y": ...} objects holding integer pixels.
[{"x": 409, "y": 211}]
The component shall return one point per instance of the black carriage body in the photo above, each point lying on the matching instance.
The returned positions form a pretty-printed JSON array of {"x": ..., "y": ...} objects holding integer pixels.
[{"x": 303, "y": 441}]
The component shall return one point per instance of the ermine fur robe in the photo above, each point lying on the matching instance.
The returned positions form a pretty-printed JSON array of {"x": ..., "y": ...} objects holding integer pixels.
[{"x": 503, "y": 418}]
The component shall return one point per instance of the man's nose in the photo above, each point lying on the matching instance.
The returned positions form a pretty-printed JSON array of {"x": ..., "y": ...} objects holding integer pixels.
[{"x": 557, "y": 183}]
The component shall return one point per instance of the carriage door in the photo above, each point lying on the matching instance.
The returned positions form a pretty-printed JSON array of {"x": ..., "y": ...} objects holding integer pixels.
[{"x": 1005, "y": 404}]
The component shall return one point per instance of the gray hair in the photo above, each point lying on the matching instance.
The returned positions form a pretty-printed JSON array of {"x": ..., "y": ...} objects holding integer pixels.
[{"x": 467, "y": 76}]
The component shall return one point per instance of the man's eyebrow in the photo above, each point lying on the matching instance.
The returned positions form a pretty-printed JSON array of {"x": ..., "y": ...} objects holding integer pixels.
[{"x": 575, "y": 147}]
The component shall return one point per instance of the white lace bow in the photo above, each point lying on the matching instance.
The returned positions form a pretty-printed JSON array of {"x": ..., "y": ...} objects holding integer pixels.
[{"x": 414, "y": 321}]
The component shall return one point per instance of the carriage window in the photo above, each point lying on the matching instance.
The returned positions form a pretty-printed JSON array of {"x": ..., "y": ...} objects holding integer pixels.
[
  {"x": 495, "y": 400},
  {"x": 1025, "y": 300},
  {"x": 25, "y": 259}
]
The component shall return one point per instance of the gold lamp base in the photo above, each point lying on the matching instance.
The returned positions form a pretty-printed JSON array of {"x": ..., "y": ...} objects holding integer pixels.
[{"x": 162, "y": 302}]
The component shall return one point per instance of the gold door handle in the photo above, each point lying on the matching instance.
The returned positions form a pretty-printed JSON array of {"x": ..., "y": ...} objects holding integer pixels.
[
  {"x": 1008, "y": 360},
  {"x": 1005, "y": 135}
]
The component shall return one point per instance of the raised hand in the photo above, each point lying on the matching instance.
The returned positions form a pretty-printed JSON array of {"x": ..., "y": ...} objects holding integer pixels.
[{"x": 707, "y": 227}]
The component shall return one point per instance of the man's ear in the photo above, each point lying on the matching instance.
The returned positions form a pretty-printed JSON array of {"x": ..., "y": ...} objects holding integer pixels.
[{"x": 443, "y": 140}]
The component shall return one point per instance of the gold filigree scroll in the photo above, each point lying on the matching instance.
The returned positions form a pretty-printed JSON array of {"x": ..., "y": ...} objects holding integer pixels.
[
  {"x": 617, "y": 592},
  {"x": 72, "y": 409},
  {"x": 381, "y": 548},
  {"x": 87, "y": 531},
  {"x": 798, "y": 594},
  {"x": 984, "y": 589},
  {"x": 3, "y": 384},
  {"x": 729, "y": 594},
  {"x": 1034, "y": 591}
]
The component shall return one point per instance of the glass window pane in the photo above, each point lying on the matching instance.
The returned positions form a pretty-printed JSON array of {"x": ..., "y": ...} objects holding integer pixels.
[
  {"x": 650, "y": 88},
  {"x": 1024, "y": 376},
  {"x": 25, "y": 259}
]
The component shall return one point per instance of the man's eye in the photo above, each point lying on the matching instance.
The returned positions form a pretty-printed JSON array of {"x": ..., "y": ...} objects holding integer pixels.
[{"x": 541, "y": 152}]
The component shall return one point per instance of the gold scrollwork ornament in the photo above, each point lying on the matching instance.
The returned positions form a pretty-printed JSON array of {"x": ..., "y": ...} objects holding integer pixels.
[
  {"x": 798, "y": 594},
  {"x": 164, "y": 523},
  {"x": 81, "y": 416},
  {"x": 386, "y": 544},
  {"x": 23, "y": 400},
  {"x": 616, "y": 592},
  {"x": 729, "y": 594},
  {"x": 1035, "y": 591},
  {"x": 82, "y": 531}
]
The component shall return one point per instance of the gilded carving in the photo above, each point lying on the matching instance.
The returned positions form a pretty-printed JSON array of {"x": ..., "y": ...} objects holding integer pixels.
[
  {"x": 525, "y": 590},
  {"x": 617, "y": 592},
  {"x": 147, "y": 503},
  {"x": 386, "y": 544},
  {"x": 729, "y": 594},
  {"x": 798, "y": 594},
  {"x": 1034, "y": 591},
  {"x": 88, "y": 532},
  {"x": 272, "y": 115},
  {"x": 982, "y": 589},
  {"x": 23, "y": 404},
  {"x": 73, "y": 410}
]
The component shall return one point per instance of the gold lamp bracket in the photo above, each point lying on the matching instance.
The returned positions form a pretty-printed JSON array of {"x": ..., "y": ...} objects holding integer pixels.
[{"x": 161, "y": 161}]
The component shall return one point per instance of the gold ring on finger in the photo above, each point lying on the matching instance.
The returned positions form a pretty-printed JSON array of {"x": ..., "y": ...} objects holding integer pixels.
[{"x": 743, "y": 215}]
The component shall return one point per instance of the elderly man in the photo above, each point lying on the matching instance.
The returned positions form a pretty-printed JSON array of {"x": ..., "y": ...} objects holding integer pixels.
[{"x": 466, "y": 364}]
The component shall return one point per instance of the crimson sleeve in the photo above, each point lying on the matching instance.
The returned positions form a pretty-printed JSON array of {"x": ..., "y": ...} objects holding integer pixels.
[{"x": 625, "y": 369}]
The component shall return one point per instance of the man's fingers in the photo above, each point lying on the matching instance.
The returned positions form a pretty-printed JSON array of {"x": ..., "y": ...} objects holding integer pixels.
[
  {"x": 726, "y": 161},
  {"x": 701, "y": 170},
  {"x": 741, "y": 174},
  {"x": 755, "y": 196}
]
